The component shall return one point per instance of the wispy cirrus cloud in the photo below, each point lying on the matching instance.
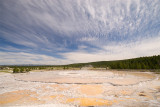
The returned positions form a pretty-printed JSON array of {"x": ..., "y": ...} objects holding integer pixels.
[
  {"x": 113, "y": 52},
  {"x": 59, "y": 28},
  {"x": 117, "y": 51},
  {"x": 14, "y": 58}
]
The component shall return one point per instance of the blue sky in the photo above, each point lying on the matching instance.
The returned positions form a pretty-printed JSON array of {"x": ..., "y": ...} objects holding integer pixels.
[{"x": 73, "y": 31}]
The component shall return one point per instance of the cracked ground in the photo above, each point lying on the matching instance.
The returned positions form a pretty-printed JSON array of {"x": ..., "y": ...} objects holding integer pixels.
[{"x": 82, "y": 88}]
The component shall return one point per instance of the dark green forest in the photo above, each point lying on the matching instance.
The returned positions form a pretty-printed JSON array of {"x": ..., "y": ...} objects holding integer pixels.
[{"x": 151, "y": 62}]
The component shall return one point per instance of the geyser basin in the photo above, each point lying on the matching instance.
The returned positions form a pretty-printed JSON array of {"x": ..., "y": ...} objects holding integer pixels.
[
  {"x": 85, "y": 77},
  {"x": 80, "y": 88}
]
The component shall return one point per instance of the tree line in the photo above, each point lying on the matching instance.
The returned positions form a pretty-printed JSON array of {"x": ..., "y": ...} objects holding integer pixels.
[{"x": 152, "y": 62}]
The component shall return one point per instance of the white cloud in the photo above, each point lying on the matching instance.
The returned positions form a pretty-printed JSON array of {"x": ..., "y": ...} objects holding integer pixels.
[
  {"x": 147, "y": 47},
  {"x": 28, "y": 58},
  {"x": 59, "y": 25},
  {"x": 68, "y": 17},
  {"x": 88, "y": 39}
]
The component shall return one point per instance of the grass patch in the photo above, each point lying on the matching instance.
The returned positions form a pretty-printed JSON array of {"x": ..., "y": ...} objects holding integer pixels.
[{"x": 5, "y": 71}]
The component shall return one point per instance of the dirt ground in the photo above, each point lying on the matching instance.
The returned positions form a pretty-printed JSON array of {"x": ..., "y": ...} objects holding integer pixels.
[{"x": 74, "y": 88}]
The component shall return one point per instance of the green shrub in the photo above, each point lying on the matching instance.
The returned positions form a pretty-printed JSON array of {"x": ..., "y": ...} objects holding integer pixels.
[{"x": 16, "y": 70}]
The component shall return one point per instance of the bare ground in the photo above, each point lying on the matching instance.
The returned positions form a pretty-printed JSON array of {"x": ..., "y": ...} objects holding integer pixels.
[{"x": 80, "y": 88}]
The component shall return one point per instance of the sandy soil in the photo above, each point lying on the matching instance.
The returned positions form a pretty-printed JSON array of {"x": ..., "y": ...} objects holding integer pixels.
[{"x": 80, "y": 88}]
